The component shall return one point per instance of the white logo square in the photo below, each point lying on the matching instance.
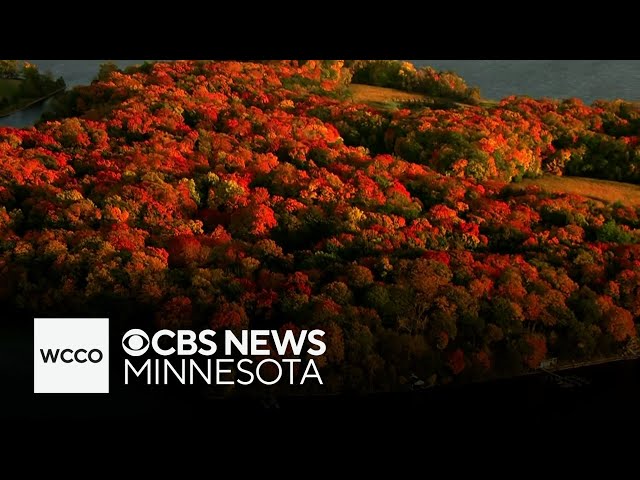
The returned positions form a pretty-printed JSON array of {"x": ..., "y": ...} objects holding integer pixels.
[{"x": 71, "y": 355}]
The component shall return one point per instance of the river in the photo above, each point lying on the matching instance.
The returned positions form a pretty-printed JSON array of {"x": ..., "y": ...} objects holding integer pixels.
[
  {"x": 588, "y": 80},
  {"x": 74, "y": 72}
]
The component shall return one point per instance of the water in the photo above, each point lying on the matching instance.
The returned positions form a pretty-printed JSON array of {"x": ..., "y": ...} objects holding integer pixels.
[
  {"x": 588, "y": 80},
  {"x": 74, "y": 72}
]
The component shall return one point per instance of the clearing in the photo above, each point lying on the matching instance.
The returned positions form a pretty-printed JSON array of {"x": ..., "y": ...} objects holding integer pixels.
[
  {"x": 389, "y": 98},
  {"x": 381, "y": 95},
  {"x": 605, "y": 191}
]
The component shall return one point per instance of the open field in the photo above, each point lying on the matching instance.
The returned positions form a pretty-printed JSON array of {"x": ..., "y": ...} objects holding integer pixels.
[
  {"x": 600, "y": 190},
  {"x": 370, "y": 94},
  {"x": 383, "y": 97}
]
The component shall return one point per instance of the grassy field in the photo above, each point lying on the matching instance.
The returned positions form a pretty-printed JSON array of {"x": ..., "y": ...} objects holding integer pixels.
[
  {"x": 369, "y": 94},
  {"x": 8, "y": 87},
  {"x": 382, "y": 97},
  {"x": 599, "y": 190}
]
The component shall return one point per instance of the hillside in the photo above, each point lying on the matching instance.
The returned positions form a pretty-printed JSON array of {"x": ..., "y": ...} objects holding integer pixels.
[{"x": 236, "y": 195}]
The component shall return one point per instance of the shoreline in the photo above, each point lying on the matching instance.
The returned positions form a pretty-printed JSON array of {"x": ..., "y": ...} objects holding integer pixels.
[{"x": 4, "y": 114}]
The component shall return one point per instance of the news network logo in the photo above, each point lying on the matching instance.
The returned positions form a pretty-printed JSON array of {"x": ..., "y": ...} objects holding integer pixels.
[{"x": 71, "y": 355}]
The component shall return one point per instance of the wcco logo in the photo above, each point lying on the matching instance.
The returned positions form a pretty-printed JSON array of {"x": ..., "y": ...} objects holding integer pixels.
[
  {"x": 81, "y": 355},
  {"x": 71, "y": 355}
]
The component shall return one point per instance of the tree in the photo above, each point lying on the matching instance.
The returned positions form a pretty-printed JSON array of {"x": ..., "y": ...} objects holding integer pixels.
[
  {"x": 618, "y": 321},
  {"x": 105, "y": 71},
  {"x": 186, "y": 250},
  {"x": 535, "y": 350},
  {"x": 175, "y": 313},
  {"x": 230, "y": 316},
  {"x": 455, "y": 361},
  {"x": 9, "y": 69}
]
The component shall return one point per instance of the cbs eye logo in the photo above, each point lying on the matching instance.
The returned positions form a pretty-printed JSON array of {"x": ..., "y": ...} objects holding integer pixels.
[{"x": 135, "y": 342}]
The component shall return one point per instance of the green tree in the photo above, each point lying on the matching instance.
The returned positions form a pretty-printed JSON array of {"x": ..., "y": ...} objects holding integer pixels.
[{"x": 106, "y": 69}]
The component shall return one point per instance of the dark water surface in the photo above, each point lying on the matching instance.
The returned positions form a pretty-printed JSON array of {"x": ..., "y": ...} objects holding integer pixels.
[{"x": 588, "y": 80}]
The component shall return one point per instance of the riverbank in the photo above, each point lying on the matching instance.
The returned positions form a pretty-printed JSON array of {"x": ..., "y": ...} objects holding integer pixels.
[{"x": 28, "y": 103}]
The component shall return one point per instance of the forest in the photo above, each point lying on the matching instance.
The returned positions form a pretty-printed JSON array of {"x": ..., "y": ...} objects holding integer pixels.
[{"x": 231, "y": 195}]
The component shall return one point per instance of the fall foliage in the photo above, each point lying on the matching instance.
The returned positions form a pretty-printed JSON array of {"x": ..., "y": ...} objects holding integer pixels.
[{"x": 250, "y": 195}]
